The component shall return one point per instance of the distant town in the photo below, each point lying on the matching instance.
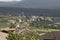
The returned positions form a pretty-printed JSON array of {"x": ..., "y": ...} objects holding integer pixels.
[{"x": 21, "y": 24}]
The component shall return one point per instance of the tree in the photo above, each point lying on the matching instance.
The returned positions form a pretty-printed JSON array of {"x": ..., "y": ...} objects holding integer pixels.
[
  {"x": 13, "y": 36},
  {"x": 12, "y": 25},
  {"x": 29, "y": 36}
]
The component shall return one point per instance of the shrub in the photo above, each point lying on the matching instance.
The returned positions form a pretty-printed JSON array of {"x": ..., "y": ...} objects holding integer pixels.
[{"x": 29, "y": 36}]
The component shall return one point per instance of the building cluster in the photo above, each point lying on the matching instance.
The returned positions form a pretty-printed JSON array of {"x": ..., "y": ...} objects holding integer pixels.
[
  {"x": 41, "y": 18},
  {"x": 21, "y": 21},
  {"x": 24, "y": 20}
]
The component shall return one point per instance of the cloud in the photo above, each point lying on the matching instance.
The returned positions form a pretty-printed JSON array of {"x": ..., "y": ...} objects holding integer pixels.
[{"x": 9, "y": 0}]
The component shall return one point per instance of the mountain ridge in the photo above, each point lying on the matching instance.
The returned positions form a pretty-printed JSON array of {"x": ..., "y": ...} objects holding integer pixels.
[
  {"x": 35, "y": 4},
  {"x": 30, "y": 11}
]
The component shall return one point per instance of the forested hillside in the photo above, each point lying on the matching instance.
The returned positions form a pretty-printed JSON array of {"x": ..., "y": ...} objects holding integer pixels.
[{"x": 29, "y": 11}]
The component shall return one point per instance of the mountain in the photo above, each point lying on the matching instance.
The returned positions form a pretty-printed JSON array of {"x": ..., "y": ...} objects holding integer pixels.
[
  {"x": 29, "y": 11},
  {"x": 34, "y": 4},
  {"x": 5, "y": 4},
  {"x": 31, "y": 7}
]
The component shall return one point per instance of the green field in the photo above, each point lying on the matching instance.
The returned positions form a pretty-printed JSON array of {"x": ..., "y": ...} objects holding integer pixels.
[{"x": 4, "y": 21}]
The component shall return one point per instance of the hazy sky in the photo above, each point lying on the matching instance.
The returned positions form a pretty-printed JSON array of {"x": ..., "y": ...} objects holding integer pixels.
[
  {"x": 37, "y": 3},
  {"x": 10, "y": 0}
]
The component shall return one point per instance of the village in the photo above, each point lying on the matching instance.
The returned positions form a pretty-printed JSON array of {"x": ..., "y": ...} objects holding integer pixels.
[{"x": 21, "y": 24}]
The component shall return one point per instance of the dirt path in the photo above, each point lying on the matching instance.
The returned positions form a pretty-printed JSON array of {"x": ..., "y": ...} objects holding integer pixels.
[{"x": 3, "y": 36}]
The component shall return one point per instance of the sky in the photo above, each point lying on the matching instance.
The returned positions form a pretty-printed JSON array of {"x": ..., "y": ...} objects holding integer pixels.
[
  {"x": 36, "y": 3},
  {"x": 9, "y": 0}
]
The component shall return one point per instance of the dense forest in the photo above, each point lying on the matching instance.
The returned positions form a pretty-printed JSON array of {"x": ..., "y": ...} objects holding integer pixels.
[{"x": 30, "y": 11}]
